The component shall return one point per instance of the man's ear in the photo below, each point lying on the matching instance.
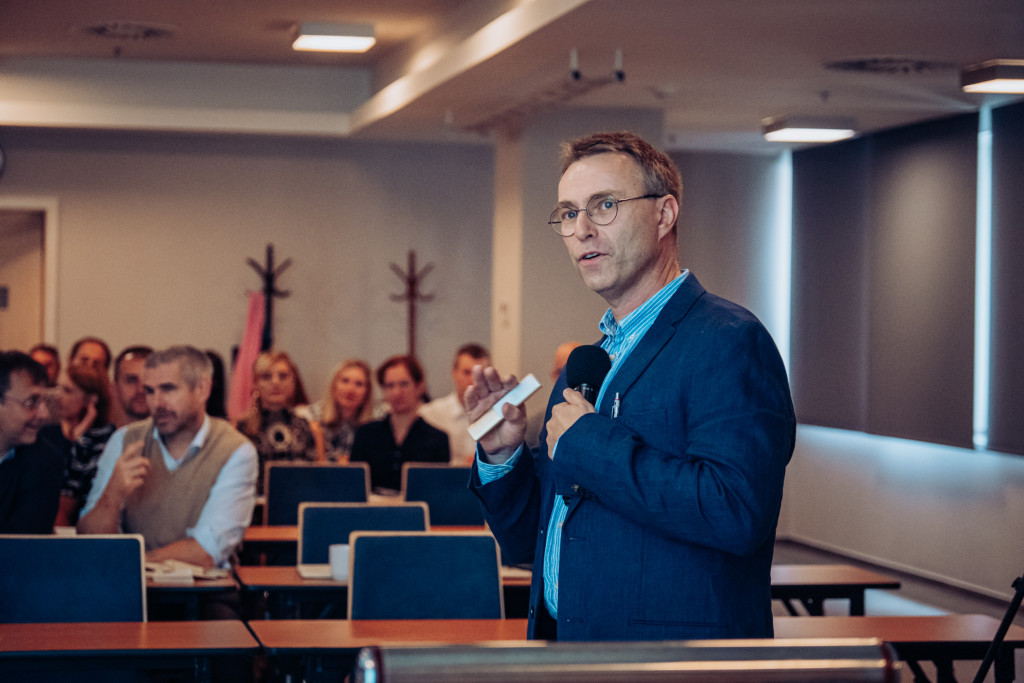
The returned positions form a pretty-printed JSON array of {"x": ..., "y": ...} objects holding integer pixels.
[
  {"x": 668, "y": 217},
  {"x": 205, "y": 386}
]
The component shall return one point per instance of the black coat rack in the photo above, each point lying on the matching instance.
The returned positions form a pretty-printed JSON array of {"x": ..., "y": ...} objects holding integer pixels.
[{"x": 269, "y": 275}]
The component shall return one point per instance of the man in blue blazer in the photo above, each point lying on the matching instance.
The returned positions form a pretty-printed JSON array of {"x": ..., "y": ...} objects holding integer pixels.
[{"x": 653, "y": 515}]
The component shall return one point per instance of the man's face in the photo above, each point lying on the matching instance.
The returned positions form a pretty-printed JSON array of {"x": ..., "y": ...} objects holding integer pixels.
[
  {"x": 50, "y": 362},
  {"x": 462, "y": 373},
  {"x": 176, "y": 408},
  {"x": 91, "y": 354},
  {"x": 129, "y": 387},
  {"x": 22, "y": 412},
  {"x": 618, "y": 260}
]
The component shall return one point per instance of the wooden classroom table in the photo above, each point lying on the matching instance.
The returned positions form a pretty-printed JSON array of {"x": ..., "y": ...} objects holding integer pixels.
[
  {"x": 812, "y": 584},
  {"x": 189, "y": 646},
  {"x": 287, "y": 592},
  {"x": 941, "y": 639},
  {"x": 326, "y": 648},
  {"x": 261, "y": 542}
]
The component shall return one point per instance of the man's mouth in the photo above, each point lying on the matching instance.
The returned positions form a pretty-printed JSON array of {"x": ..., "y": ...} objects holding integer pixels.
[{"x": 590, "y": 255}]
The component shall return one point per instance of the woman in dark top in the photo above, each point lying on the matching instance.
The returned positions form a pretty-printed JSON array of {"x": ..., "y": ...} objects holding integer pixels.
[
  {"x": 403, "y": 436},
  {"x": 83, "y": 407}
]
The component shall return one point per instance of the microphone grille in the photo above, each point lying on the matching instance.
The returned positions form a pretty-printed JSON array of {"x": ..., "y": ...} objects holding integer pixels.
[{"x": 587, "y": 365}]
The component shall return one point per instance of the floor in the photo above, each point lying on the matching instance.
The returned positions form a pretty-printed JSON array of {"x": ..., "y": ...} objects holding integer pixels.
[{"x": 916, "y": 596}]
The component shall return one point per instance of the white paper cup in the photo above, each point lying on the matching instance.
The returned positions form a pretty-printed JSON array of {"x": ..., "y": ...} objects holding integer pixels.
[{"x": 339, "y": 561}]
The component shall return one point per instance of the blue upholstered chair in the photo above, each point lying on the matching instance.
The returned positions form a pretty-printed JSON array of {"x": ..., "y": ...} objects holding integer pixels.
[
  {"x": 444, "y": 489},
  {"x": 45, "y": 579},
  {"x": 289, "y": 483},
  {"x": 324, "y": 524},
  {"x": 409, "y": 575}
]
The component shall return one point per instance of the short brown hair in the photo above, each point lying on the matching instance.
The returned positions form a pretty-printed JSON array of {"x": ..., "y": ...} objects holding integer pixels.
[
  {"x": 658, "y": 172},
  {"x": 409, "y": 362}
]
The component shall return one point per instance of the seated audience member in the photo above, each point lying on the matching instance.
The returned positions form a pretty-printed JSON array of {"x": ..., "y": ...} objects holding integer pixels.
[
  {"x": 272, "y": 424},
  {"x": 49, "y": 358},
  {"x": 30, "y": 467},
  {"x": 216, "y": 405},
  {"x": 561, "y": 356},
  {"x": 535, "y": 419},
  {"x": 347, "y": 405},
  {"x": 448, "y": 413},
  {"x": 402, "y": 436},
  {"x": 182, "y": 479},
  {"x": 91, "y": 351},
  {"x": 80, "y": 435},
  {"x": 128, "y": 384}
]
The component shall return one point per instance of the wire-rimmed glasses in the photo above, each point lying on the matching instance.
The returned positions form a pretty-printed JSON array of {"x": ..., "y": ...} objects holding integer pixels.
[{"x": 601, "y": 210}]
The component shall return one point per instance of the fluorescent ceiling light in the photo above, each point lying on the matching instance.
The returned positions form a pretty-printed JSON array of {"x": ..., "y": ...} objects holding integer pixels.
[
  {"x": 317, "y": 37},
  {"x": 994, "y": 76},
  {"x": 806, "y": 129}
]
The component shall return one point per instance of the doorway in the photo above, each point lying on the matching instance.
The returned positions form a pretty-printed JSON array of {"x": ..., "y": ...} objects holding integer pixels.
[{"x": 27, "y": 273}]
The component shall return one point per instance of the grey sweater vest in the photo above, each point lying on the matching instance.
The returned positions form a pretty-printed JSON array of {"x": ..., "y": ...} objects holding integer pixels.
[{"x": 170, "y": 502}]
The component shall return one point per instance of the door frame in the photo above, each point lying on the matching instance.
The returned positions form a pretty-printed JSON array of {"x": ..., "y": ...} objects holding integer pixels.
[{"x": 48, "y": 207}]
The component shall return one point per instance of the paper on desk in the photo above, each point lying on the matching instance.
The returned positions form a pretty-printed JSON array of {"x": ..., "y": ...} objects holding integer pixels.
[{"x": 183, "y": 573}]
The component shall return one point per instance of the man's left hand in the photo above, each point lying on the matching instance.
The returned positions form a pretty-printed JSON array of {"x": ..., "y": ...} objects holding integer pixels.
[{"x": 564, "y": 415}]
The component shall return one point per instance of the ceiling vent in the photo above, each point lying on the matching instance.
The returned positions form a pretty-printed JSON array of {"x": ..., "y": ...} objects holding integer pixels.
[
  {"x": 892, "y": 66},
  {"x": 128, "y": 30}
]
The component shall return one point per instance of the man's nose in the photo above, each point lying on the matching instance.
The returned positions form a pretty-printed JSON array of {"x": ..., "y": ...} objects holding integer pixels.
[{"x": 584, "y": 226}]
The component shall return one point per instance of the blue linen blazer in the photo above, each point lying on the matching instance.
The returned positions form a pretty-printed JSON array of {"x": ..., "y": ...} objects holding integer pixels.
[{"x": 672, "y": 506}]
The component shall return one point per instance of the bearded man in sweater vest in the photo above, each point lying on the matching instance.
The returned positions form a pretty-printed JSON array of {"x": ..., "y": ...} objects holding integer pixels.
[{"x": 184, "y": 480}]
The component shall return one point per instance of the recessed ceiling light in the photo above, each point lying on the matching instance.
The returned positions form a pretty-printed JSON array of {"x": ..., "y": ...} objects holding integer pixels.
[
  {"x": 320, "y": 37},
  {"x": 806, "y": 129},
  {"x": 994, "y": 76}
]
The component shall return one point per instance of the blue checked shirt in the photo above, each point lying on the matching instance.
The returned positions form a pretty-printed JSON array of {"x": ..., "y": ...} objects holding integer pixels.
[{"x": 619, "y": 341}]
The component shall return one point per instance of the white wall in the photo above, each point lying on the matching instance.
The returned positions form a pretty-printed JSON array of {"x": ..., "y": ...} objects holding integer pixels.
[
  {"x": 945, "y": 513},
  {"x": 156, "y": 229}
]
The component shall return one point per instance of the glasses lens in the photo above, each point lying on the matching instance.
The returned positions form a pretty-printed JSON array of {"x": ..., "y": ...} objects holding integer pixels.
[
  {"x": 563, "y": 220},
  {"x": 602, "y": 210}
]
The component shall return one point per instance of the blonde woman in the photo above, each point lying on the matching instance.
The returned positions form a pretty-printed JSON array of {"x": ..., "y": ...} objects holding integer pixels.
[
  {"x": 272, "y": 424},
  {"x": 347, "y": 405}
]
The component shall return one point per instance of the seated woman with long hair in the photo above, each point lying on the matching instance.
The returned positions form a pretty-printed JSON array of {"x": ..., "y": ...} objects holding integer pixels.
[
  {"x": 83, "y": 411},
  {"x": 272, "y": 424},
  {"x": 347, "y": 405},
  {"x": 403, "y": 436}
]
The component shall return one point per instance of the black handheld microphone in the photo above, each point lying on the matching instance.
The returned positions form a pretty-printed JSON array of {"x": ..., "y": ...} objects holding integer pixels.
[{"x": 585, "y": 370}]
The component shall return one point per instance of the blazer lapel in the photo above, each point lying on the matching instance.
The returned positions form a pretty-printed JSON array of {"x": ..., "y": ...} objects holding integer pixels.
[{"x": 654, "y": 340}]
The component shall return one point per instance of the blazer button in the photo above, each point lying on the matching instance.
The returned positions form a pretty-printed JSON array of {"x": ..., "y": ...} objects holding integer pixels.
[{"x": 532, "y": 611}]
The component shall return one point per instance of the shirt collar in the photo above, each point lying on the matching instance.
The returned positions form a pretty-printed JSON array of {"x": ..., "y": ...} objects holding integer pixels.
[
  {"x": 7, "y": 456},
  {"x": 197, "y": 440},
  {"x": 612, "y": 328}
]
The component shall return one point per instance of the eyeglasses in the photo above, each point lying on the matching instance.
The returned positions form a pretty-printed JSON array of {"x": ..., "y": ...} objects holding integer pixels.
[
  {"x": 31, "y": 403},
  {"x": 602, "y": 210}
]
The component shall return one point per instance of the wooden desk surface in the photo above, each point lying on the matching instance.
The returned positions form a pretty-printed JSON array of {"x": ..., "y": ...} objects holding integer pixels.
[
  {"x": 946, "y": 629},
  {"x": 290, "y": 534},
  {"x": 126, "y": 638},
  {"x": 829, "y": 575},
  {"x": 279, "y": 636},
  {"x": 198, "y": 586},
  {"x": 269, "y": 578}
]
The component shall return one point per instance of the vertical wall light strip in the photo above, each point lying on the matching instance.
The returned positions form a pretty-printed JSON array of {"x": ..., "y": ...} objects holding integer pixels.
[
  {"x": 781, "y": 267},
  {"x": 983, "y": 281}
]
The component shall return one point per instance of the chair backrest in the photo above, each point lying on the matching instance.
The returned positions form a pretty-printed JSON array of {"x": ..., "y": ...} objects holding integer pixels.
[
  {"x": 289, "y": 483},
  {"x": 446, "y": 492},
  {"x": 409, "y": 575},
  {"x": 45, "y": 579},
  {"x": 324, "y": 524}
]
